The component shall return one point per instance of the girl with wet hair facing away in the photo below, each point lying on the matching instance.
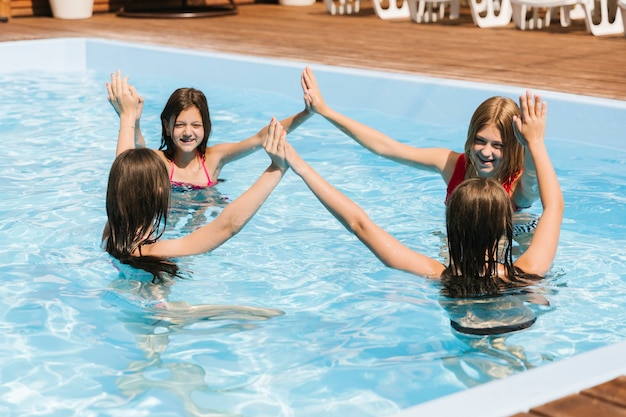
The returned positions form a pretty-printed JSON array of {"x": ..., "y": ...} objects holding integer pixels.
[
  {"x": 491, "y": 149},
  {"x": 185, "y": 129},
  {"x": 137, "y": 201},
  {"x": 478, "y": 216}
]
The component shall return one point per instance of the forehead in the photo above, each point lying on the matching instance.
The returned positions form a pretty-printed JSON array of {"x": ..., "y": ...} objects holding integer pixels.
[
  {"x": 489, "y": 133},
  {"x": 190, "y": 113}
]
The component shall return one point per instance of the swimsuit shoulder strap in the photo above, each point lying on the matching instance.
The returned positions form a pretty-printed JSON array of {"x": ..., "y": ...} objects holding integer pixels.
[{"x": 206, "y": 172}]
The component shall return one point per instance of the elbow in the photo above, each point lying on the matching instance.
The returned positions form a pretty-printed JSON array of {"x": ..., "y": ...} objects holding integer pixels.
[
  {"x": 232, "y": 228},
  {"x": 557, "y": 205},
  {"x": 561, "y": 205},
  {"x": 358, "y": 225}
]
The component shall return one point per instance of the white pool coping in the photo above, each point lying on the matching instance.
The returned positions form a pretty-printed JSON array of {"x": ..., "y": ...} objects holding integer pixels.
[
  {"x": 521, "y": 392},
  {"x": 571, "y": 117}
]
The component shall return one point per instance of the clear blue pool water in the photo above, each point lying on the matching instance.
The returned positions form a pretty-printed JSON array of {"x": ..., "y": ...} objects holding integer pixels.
[{"x": 357, "y": 339}]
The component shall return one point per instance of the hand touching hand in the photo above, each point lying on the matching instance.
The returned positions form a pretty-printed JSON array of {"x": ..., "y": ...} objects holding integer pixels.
[
  {"x": 123, "y": 96},
  {"x": 530, "y": 126},
  {"x": 274, "y": 144},
  {"x": 313, "y": 99}
]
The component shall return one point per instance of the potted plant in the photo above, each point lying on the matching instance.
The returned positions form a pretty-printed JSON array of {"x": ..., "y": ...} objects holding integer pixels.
[{"x": 72, "y": 9}]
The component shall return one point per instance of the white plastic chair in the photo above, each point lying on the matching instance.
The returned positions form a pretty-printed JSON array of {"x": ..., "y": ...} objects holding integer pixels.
[
  {"x": 392, "y": 11},
  {"x": 598, "y": 17},
  {"x": 526, "y": 13},
  {"x": 342, "y": 6},
  {"x": 491, "y": 13},
  {"x": 425, "y": 11}
]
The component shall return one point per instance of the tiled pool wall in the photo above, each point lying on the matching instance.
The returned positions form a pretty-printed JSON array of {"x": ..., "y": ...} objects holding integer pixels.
[{"x": 594, "y": 121}]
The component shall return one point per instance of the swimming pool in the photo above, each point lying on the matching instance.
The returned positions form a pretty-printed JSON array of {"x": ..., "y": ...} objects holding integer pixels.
[{"x": 357, "y": 338}]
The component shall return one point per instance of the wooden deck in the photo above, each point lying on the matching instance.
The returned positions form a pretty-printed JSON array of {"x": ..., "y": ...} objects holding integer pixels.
[
  {"x": 562, "y": 59},
  {"x": 558, "y": 59},
  {"x": 605, "y": 400}
]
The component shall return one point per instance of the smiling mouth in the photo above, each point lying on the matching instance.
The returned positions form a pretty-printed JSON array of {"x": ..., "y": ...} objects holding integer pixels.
[
  {"x": 485, "y": 161},
  {"x": 187, "y": 140}
]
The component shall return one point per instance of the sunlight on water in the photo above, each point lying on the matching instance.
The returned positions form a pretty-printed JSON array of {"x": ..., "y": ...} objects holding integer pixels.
[{"x": 356, "y": 339}]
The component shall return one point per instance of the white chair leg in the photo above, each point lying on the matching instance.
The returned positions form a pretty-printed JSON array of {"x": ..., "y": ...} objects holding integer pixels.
[
  {"x": 604, "y": 25},
  {"x": 416, "y": 10},
  {"x": 519, "y": 15},
  {"x": 622, "y": 7},
  {"x": 330, "y": 7},
  {"x": 484, "y": 13},
  {"x": 426, "y": 11},
  {"x": 442, "y": 10},
  {"x": 547, "y": 19},
  {"x": 455, "y": 9},
  {"x": 393, "y": 11},
  {"x": 342, "y": 6},
  {"x": 565, "y": 18}
]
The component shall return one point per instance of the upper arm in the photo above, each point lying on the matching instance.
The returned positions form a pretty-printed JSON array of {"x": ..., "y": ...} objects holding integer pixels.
[
  {"x": 439, "y": 160},
  {"x": 231, "y": 151}
]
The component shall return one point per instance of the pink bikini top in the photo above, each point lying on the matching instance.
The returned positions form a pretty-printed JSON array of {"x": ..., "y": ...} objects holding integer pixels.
[{"x": 210, "y": 183}]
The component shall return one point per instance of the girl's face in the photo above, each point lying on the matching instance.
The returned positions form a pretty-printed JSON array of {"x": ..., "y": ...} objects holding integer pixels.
[
  {"x": 487, "y": 151},
  {"x": 187, "y": 130}
]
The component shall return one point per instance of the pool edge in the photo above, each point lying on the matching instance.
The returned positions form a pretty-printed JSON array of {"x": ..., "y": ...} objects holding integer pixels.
[{"x": 520, "y": 392}]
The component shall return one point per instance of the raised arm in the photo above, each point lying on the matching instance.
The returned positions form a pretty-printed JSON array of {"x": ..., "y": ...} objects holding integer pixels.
[
  {"x": 128, "y": 105},
  {"x": 389, "y": 250},
  {"x": 234, "y": 216},
  {"x": 433, "y": 159},
  {"x": 229, "y": 152},
  {"x": 527, "y": 191},
  {"x": 538, "y": 258}
]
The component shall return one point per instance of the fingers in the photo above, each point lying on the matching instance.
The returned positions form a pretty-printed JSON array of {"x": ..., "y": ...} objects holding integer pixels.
[
  {"x": 523, "y": 104},
  {"x": 543, "y": 110},
  {"x": 119, "y": 85},
  {"x": 310, "y": 76},
  {"x": 303, "y": 83},
  {"x": 306, "y": 87},
  {"x": 306, "y": 78},
  {"x": 275, "y": 138},
  {"x": 532, "y": 106},
  {"x": 133, "y": 92},
  {"x": 109, "y": 92},
  {"x": 116, "y": 82},
  {"x": 275, "y": 144}
]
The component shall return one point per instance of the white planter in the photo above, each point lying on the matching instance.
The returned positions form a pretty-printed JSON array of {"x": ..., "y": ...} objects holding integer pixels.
[
  {"x": 296, "y": 2},
  {"x": 72, "y": 9}
]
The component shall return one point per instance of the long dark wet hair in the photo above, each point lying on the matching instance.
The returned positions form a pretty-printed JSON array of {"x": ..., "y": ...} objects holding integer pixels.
[
  {"x": 498, "y": 111},
  {"x": 182, "y": 99},
  {"x": 138, "y": 196},
  {"x": 479, "y": 215}
]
